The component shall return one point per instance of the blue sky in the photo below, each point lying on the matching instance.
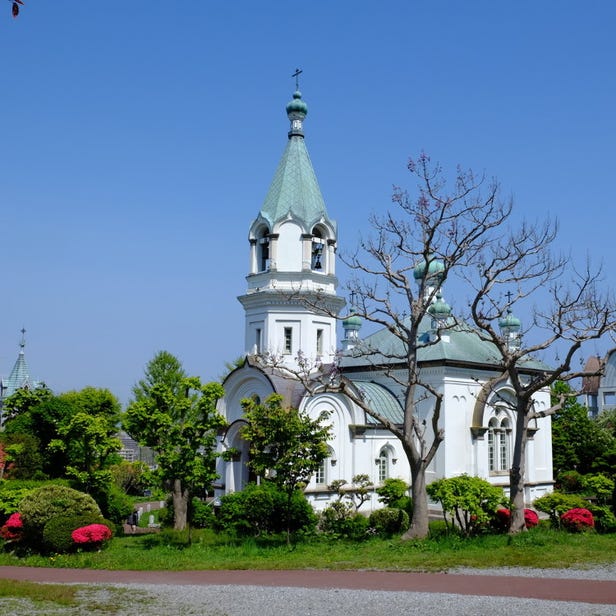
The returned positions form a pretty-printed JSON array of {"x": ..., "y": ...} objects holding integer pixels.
[{"x": 139, "y": 139}]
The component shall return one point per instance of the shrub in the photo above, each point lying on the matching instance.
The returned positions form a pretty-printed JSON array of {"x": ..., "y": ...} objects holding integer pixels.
[
  {"x": 389, "y": 521},
  {"x": 557, "y": 503},
  {"x": 605, "y": 520},
  {"x": 598, "y": 486},
  {"x": 114, "y": 504},
  {"x": 470, "y": 501},
  {"x": 339, "y": 519},
  {"x": 48, "y": 502},
  {"x": 93, "y": 536},
  {"x": 13, "y": 491},
  {"x": 392, "y": 492},
  {"x": 577, "y": 520},
  {"x": 261, "y": 509},
  {"x": 57, "y": 532},
  {"x": 502, "y": 519},
  {"x": 569, "y": 482},
  {"x": 12, "y": 531},
  {"x": 201, "y": 514}
]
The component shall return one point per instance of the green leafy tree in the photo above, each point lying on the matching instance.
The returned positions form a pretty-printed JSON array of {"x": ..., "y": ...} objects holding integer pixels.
[
  {"x": 163, "y": 369},
  {"x": 22, "y": 400},
  {"x": 43, "y": 420},
  {"x": 471, "y": 502},
  {"x": 179, "y": 421},
  {"x": 577, "y": 440},
  {"x": 286, "y": 445},
  {"x": 88, "y": 437}
]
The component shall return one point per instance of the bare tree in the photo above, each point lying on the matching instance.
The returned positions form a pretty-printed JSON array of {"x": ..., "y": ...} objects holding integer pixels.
[
  {"x": 571, "y": 309},
  {"x": 397, "y": 278}
]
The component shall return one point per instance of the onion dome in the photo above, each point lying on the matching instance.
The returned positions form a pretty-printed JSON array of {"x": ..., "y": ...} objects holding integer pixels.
[
  {"x": 435, "y": 270},
  {"x": 297, "y": 110},
  {"x": 352, "y": 323},
  {"x": 440, "y": 309},
  {"x": 510, "y": 324}
]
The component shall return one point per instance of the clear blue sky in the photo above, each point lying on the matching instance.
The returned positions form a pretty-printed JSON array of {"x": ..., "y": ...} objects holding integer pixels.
[{"x": 139, "y": 138}]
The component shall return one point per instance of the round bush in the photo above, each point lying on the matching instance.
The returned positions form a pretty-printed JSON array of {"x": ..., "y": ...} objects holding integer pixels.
[
  {"x": 261, "y": 509},
  {"x": 577, "y": 520},
  {"x": 57, "y": 532},
  {"x": 340, "y": 519},
  {"x": 502, "y": 519},
  {"x": 389, "y": 521},
  {"x": 48, "y": 502}
]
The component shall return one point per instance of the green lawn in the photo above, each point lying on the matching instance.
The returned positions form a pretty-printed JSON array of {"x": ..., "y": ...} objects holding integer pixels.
[{"x": 166, "y": 551}]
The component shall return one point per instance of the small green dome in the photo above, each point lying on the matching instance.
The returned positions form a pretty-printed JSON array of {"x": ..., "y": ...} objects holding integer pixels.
[
  {"x": 510, "y": 323},
  {"x": 297, "y": 108},
  {"x": 440, "y": 308},
  {"x": 435, "y": 269},
  {"x": 352, "y": 322}
]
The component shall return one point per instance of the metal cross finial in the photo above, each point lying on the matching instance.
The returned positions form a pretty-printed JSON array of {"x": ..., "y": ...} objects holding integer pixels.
[
  {"x": 22, "y": 344},
  {"x": 508, "y": 295},
  {"x": 296, "y": 74}
]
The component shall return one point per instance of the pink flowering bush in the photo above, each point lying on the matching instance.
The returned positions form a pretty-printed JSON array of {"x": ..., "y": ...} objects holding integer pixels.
[
  {"x": 577, "y": 520},
  {"x": 12, "y": 529},
  {"x": 92, "y": 536},
  {"x": 503, "y": 519}
]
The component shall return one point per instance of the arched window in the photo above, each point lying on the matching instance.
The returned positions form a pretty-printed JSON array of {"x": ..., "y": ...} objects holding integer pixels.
[
  {"x": 318, "y": 251},
  {"x": 382, "y": 463},
  {"x": 263, "y": 252},
  {"x": 499, "y": 448},
  {"x": 322, "y": 474}
]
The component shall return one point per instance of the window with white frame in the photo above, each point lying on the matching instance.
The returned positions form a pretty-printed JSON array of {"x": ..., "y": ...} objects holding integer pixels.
[
  {"x": 499, "y": 445},
  {"x": 319, "y": 342},
  {"x": 263, "y": 247},
  {"x": 382, "y": 463},
  {"x": 288, "y": 340}
]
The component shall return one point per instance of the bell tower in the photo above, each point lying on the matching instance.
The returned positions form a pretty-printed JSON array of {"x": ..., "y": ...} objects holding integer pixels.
[{"x": 290, "y": 302}]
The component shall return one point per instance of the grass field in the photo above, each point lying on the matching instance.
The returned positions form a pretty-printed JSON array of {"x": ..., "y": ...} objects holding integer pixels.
[{"x": 540, "y": 547}]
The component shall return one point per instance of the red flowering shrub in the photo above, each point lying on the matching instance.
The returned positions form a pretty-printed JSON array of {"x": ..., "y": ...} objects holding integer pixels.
[
  {"x": 577, "y": 520},
  {"x": 503, "y": 519},
  {"x": 91, "y": 536},
  {"x": 13, "y": 528}
]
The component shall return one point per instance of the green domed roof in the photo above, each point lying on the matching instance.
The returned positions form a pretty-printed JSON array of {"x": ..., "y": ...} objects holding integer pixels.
[
  {"x": 352, "y": 322},
  {"x": 297, "y": 108},
  {"x": 440, "y": 308},
  {"x": 435, "y": 269},
  {"x": 509, "y": 322}
]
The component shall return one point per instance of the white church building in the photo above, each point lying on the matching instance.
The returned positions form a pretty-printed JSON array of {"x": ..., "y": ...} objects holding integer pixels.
[{"x": 292, "y": 249}]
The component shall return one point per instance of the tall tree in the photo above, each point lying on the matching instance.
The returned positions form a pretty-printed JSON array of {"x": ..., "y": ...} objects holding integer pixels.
[
  {"x": 570, "y": 308},
  {"x": 397, "y": 276},
  {"x": 178, "y": 419},
  {"x": 163, "y": 369},
  {"x": 286, "y": 446}
]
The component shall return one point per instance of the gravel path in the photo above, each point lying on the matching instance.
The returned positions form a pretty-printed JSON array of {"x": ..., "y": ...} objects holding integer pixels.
[{"x": 183, "y": 598}]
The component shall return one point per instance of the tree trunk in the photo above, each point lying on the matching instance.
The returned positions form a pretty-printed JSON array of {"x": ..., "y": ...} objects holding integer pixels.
[
  {"x": 180, "y": 505},
  {"x": 419, "y": 522},
  {"x": 517, "y": 472}
]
